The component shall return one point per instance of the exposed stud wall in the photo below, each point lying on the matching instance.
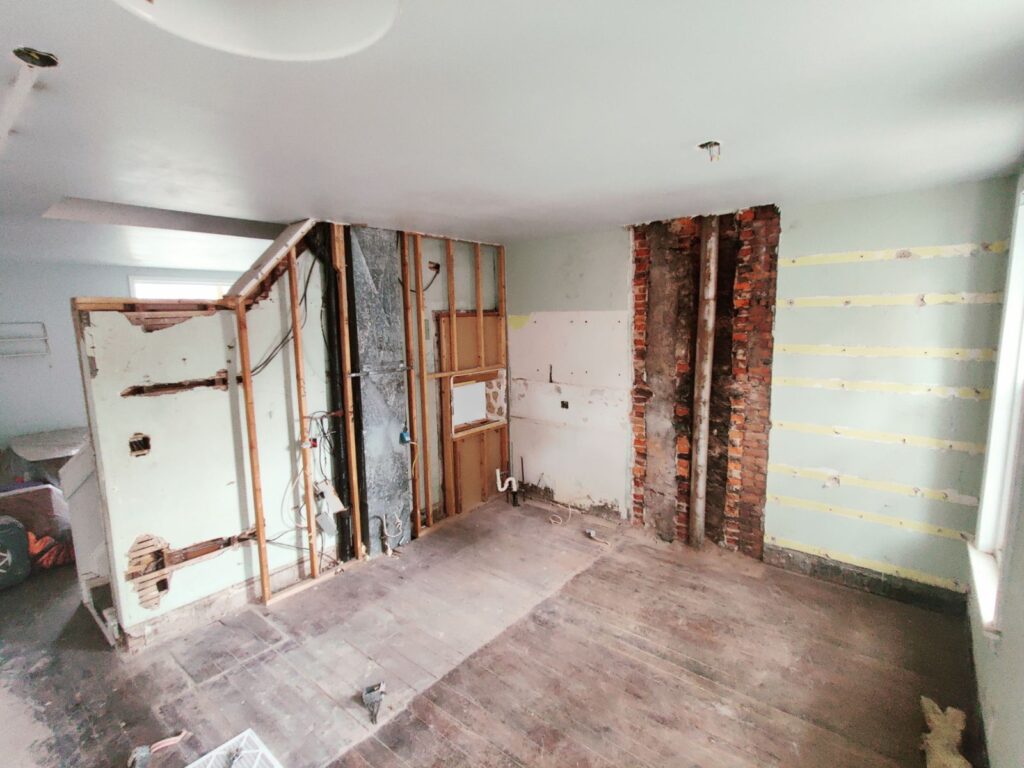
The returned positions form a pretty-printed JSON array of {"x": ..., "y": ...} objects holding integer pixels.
[
  {"x": 879, "y": 408},
  {"x": 193, "y": 484}
]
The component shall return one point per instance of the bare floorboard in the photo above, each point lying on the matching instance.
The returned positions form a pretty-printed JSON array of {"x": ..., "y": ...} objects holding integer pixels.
[{"x": 506, "y": 641}]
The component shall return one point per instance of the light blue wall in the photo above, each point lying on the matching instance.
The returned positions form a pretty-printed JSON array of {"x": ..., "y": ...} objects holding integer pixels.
[
  {"x": 41, "y": 393},
  {"x": 865, "y": 496}
]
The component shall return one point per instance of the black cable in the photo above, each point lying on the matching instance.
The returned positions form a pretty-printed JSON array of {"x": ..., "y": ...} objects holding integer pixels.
[{"x": 269, "y": 357}]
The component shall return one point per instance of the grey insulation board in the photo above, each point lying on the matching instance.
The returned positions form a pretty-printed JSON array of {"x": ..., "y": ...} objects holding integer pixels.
[{"x": 380, "y": 336}]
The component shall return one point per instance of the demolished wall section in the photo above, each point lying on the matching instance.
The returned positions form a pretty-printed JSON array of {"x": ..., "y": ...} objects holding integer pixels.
[{"x": 666, "y": 266}]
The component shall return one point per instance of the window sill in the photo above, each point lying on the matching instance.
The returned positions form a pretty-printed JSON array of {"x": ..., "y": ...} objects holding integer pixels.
[{"x": 985, "y": 578}]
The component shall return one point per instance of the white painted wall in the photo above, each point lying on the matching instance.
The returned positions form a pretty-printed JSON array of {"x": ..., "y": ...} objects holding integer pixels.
[
  {"x": 569, "y": 342},
  {"x": 194, "y": 483},
  {"x": 840, "y": 482},
  {"x": 41, "y": 393}
]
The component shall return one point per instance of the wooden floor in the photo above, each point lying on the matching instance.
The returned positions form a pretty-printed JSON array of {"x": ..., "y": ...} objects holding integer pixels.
[{"x": 507, "y": 641}]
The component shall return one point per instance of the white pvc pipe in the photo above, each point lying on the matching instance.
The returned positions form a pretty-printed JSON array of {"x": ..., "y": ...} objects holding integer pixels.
[
  {"x": 510, "y": 480},
  {"x": 15, "y": 102}
]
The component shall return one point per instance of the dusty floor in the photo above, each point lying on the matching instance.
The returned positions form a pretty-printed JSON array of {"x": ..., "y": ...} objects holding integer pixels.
[{"x": 504, "y": 641}]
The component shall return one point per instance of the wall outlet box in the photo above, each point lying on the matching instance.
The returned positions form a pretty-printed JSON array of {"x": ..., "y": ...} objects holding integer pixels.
[
  {"x": 325, "y": 522},
  {"x": 327, "y": 498}
]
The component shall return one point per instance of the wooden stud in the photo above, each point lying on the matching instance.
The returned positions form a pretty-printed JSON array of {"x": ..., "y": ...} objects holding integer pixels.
[
  {"x": 503, "y": 353},
  {"x": 410, "y": 381},
  {"x": 424, "y": 404},
  {"x": 448, "y": 448},
  {"x": 502, "y": 314},
  {"x": 485, "y": 427},
  {"x": 300, "y": 386},
  {"x": 484, "y": 484},
  {"x": 480, "y": 356},
  {"x": 464, "y": 372},
  {"x": 339, "y": 259},
  {"x": 453, "y": 326},
  {"x": 702, "y": 383},
  {"x": 106, "y": 304},
  {"x": 504, "y": 456},
  {"x": 254, "y": 454}
]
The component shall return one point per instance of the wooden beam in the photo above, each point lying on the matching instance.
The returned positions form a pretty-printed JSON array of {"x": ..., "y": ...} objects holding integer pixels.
[
  {"x": 481, "y": 360},
  {"x": 432, "y": 236},
  {"x": 486, "y": 427},
  {"x": 276, "y": 252},
  {"x": 504, "y": 445},
  {"x": 453, "y": 328},
  {"x": 410, "y": 381},
  {"x": 702, "y": 383},
  {"x": 464, "y": 372},
  {"x": 447, "y": 447},
  {"x": 110, "y": 304},
  {"x": 339, "y": 260},
  {"x": 424, "y": 404},
  {"x": 254, "y": 453},
  {"x": 502, "y": 314},
  {"x": 300, "y": 387}
]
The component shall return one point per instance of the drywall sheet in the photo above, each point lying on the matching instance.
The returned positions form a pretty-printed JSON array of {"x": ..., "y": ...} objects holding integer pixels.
[
  {"x": 380, "y": 337},
  {"x": 885, "y": 341},
  {"x": 193, "y": 482},
  {"x": 570, "y": 402}
]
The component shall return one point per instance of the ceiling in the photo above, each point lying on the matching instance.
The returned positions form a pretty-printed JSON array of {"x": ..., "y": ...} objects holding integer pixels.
[{"x": 503, "y": 120}]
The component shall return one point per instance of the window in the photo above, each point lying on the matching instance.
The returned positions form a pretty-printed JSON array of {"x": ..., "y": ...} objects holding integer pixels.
[
  {"x": 174, "y": 288},
  {"x": 469, "y": 403},
  {"x": 1001, "y": 483}
]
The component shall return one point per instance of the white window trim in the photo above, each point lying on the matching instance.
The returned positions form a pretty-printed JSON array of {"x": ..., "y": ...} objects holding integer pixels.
[
  {"x": 133, "y": 279},
  {"x": 999, "y": 505}
]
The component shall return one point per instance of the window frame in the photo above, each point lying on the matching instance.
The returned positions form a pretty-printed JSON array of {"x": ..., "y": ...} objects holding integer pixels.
[
  {"x": 1003, "y": 474},
  {"x": 134, "y": 280}
]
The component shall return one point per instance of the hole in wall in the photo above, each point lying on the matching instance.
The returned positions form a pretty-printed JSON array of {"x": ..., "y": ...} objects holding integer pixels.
[
  {"x": 565, "y": 404},
  {"x": 139, "y": 444}
]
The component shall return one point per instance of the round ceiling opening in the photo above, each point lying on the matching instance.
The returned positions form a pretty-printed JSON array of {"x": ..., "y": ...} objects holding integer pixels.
[{"x": 314, "y": 30}]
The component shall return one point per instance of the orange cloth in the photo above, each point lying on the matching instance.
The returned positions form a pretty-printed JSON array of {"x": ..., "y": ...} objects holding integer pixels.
[{"x": 47, "y": 552}]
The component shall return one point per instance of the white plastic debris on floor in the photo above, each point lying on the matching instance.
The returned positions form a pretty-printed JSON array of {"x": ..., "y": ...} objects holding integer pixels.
[{"x": 244, "y": 751}]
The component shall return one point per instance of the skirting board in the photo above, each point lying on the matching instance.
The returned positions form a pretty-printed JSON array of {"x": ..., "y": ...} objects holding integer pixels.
[{"x": 895, "y": 587}]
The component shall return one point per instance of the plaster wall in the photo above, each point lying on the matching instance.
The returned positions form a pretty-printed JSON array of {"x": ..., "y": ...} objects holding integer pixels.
[
  {"x": 569, "y": 356},
  {"x": 886, "y": 325},
  {"x": 44, "y": 393},
  {"x": 194, "y": 482}
]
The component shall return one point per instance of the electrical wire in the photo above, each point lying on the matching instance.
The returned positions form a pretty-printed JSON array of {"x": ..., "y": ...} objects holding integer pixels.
[{"x": 269, "y": 356}]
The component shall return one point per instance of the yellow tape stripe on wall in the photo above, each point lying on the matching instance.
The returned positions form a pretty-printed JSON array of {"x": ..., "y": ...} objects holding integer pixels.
[
  {"x": 871, "y": 565},
  {"x": 918, "y": 441},
  {"x": 832, "y": 478},
  {"x": 937, "y": 353},
  {"x": 936, "y": 390},
  {"x": 871, "y": 517},
  {"x": 898, "y": 254},
  {"x": 890, "y": 300}
]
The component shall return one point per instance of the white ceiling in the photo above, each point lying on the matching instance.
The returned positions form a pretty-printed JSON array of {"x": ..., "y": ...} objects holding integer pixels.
[{"x": 501, "y": 120}]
